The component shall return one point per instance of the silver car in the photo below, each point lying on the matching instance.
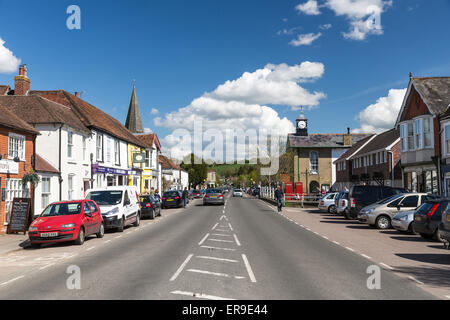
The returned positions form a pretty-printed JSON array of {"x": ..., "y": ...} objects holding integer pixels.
[
  {"x": 342, "y": 204},
  {"x": 237, "y": 193},
  {"x": 381, "y": 213},
  {"x": 327, "y": 203},
  {"x": 213, "y": 196},
  {"x": 403, "y": 221}
]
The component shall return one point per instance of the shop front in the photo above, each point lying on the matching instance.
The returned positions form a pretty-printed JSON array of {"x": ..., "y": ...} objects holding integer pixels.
[
  {"x": 421, "y": 179},
  {"x": 108, "y": 177}
]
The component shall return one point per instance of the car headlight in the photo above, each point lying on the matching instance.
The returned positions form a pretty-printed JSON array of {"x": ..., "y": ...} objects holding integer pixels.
[
  {"x": 112, "y": 212},
  {"x": 370, "y": 211},
  {"x": 404, "y": 218},
  {"x": 69, "y": 225},
  {"x": 33, "y": 229}
]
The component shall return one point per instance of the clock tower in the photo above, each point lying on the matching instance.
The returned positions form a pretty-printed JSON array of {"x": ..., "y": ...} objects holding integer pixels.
[{"x": 301, "y": 125}]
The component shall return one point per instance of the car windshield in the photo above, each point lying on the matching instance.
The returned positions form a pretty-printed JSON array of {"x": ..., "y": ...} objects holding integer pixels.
[
  {"x": 106, "y": 198},
  {"x": 213, "y": 191},
  {"x": 170, "y": 194},
  {"x": 237, "y": 190},
  {"x": 389, "y": 199},
  {"x": 62, "y": 209}
]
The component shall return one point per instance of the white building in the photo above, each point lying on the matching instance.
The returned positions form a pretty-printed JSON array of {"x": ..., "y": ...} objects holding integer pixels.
[
  {"x": 151, "y": 174},
  {"x": 173, "y": 175}
]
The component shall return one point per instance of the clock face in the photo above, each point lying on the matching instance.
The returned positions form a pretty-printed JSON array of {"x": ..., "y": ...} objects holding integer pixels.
[{"x": 302, "y": 124}]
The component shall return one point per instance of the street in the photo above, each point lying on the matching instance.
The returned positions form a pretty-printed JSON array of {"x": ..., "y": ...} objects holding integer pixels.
[{"x": 243, "y": 250}]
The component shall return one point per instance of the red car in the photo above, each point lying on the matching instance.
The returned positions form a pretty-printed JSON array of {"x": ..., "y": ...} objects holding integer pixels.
[
  {"x": 67, "y": 221},
  {"x": 197, "y": 194}
]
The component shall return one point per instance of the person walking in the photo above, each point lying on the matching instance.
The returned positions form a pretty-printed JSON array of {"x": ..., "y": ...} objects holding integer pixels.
[
  {"x": 157, "y": 196},
  {"x": 279, "y": 197},
  {"x": 185, "y": 196}
]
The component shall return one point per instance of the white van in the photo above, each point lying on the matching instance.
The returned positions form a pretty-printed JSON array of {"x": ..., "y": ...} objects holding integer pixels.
[{"x": 119, "y": 205}]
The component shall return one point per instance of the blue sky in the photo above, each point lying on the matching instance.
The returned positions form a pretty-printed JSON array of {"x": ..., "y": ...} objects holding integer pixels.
[{"x": 178, "y": 50}]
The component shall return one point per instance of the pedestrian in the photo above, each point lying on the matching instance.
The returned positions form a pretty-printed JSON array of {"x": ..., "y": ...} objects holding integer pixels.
[
  {"x": 157, "y": 196},
  {"x": 152, "y": 191},
  {"x": 185, "y": 196},
  {"x": 279, "y": 197}
]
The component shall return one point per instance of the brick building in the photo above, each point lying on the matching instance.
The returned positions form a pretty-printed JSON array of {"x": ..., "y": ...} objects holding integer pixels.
[{"x": 17, "y": 149}]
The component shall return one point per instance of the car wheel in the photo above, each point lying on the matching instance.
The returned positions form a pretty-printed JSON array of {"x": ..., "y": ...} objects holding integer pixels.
[
  {"x": 138, "y": 220},
  {"x": 437, "y": 236},
  {"x": 101, "y": 231},
  {"x": 411, "y": 229},
  {"x": 121, "y": 226},
  {"x": 81, "y": 237},
  {"x": 347, "y": 216},
  {"x": 332, "y": 209},
  {"x": 159, "y": 212},
  {"x": 153, "y": 215},
  {"x": 383, "y": 222}
]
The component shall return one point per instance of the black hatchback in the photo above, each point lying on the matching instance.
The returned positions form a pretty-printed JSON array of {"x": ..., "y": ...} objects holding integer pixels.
[
  {"x": 150, "y": 207},
  {"x": 428, "y": 217},
  {"x": 172, "y": 199}
]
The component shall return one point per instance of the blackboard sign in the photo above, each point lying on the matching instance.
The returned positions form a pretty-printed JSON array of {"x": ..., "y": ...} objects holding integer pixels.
[{"x": 20, "y": 211}]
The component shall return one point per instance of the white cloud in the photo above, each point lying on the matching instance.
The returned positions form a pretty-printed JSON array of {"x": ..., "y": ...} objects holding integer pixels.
[
  {"x": 241, "y": 104},
  {"x": 364, "y": 16},
  {"x": 381, "y": 116},
  {"x": 288, "y": 31},
  {"x": 148, "y": 131},
  {"x": 154, "y": 111},
  {"x": 8, "y": 62},
  {"x": 326, "y": 26},
  {"x": 310, "y": 8},
  {"x": 305, "y": 39}
]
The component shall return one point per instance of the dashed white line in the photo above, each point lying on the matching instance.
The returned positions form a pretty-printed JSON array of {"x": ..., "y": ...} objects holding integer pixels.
[
  {"x": 222, "y": 230},
  {"x": 367, "y": 257},
  {"x": 91, "y": 248},
  {"x": 386, "y": 266},
  {"x": 350, "y": 249},
  {"x": 218, "y": 248},
  {"x": 221, "y": 235},
  {"x": 107, "y": 241},
  {"x": 237, "y": 240},
  {"x": 249, "y": 268},
  {"x": 118, "y": 237},
  {"x": 217, "y": 274},
  {"x": 217, "y": 259},
  {"x": 12, "y": 280},
  {"x": 231, "y": 228},
  {"x": 204, "y": 239},
  {"x": 215, "y": 226},
  {"x": 199, "y": 295},
  {"x": 46, "y": 266},
  {"x": 335, "y": 242},
  {"x": 177, "y": 273},
  {"x": 220, "y": 240}
]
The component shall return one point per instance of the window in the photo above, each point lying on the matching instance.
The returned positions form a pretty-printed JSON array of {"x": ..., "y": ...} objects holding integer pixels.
[
  {"x": 427, "y": 132},
  {"x": 99, "y": 147},
  {"x": 84, "y": 149},
  {"x": 418, "y": 134},
  {"x": 385, "y": 157},
  {"x": 16, "y": 147},
  {"x": 410, "y": 136},
  {"x": 447, "y": 139},
  {"x": 87, "y": 209},
  {"x": 314, "y": 162},
  {"x": 147, "y": 158},
  {"x": 411, "y": 202},
  {"x": 13, "y": 190},
  {"x": 70, "y": 145},
  {"x": 403, "y": 137},
  {"x": 45, "y": 192},
  {"x": 70, "y": 188},
  {"x": 345, "y": 165},
  {"x": 117, "y": 152}
]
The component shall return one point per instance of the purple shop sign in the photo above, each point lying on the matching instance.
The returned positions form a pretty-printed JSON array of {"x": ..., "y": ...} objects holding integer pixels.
[{"x": 99, "y": 169}]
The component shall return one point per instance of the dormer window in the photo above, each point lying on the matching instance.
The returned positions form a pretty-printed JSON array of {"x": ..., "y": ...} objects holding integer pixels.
[{"x": 416, "y": 134}]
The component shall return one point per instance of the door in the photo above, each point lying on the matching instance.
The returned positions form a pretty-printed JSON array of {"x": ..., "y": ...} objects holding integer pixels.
[
  {"x": 409, "y": 203},
  {"x": 392, "y": 208},
  {"x": 127, "y": 206},
  {"x": 96, "y": 215},
  {"x": 90, "y": 222}
]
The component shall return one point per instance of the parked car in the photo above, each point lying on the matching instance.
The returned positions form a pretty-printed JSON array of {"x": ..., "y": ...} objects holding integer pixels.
[
  {"x": 381, "y": 213},
  {"x": 150, "y": 207},
  {"x": 444, "y": 226},
  {"x": 172, "y": 199},
  {"x": 342, "y": 205},
  {"x": 67, "y": 221},
  {"x": 428, "y": 217},
  {"x": 120, "y": 206},
  {"x": 403, "y": 221},
  {"x": 256, "y": 192},
  {"x": 363, "y": 196},
  {"x": 213, "y": 196},
  {"x": 237, "y": 193},
  {"x": 197, "y": 194},
  {"x": 326, "y": 203}
]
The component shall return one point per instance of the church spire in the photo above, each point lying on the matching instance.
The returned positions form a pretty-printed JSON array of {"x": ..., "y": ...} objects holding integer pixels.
[{"x": 134, "y": 119}]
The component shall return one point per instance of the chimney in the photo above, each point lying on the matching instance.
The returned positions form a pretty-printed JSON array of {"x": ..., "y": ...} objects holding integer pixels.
[
  {"x": 22, "y": 83},
  {"x": 348, "y": 139}
]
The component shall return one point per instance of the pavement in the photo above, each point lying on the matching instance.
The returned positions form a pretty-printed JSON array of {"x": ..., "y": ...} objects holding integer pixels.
[{"x": 243, "y": 250}]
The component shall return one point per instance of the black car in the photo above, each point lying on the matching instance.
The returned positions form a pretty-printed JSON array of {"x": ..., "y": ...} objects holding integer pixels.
[
  {"x": 150, "y": 207},
  {"x": 172, "y": 199},
  {"x": 256, "y": 192},
  {"x": 428, "y": 218},
  {"x": 362, "y": 196},
  {"x": 444, "y": 227}
]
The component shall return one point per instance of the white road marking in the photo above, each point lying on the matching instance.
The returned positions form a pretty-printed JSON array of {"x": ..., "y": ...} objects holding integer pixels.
[
  {"x": 249, "y": 268},
  {"x": 217, "y": 259},
  {"x": 118, "y": 237},
  {"x": 219, "y": 240},
  {"x": 215, "y": 226},
  {"x": 204, "y": 239},
  {"x": 91, "y": 248},
  {"x": 386, "y": 266},
  {"x": 325, "y": 237},
  {"x": 367, "y": 257},
  {"x": 448, "y": 297},
  {"x": 46, "y": 266},
  {"x": 107, "y": 241},
  {"x": 222, "y": 230},
  {"x": 222, "y": 217},
  {"x": 177, "y": 273},
  {"x": 220, "y": 235},
  {"x": 352, "y": 250},
  {"x": 222, "y": 226},
  {"x": 335, "y": 242},
  {"x": 415, "y": 280},
  {"x": 237, "y": 240},
  {"x": 200, "y": 295},
  {"x": 12, "y": 280},
  {"x": 217, "y": 248},
  {"x": 231, "y": 228},
  {"x": 218, "y": 274}
]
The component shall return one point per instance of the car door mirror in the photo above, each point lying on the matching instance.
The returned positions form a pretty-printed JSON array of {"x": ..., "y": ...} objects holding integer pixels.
[
  {"x": 88, "y": 214},
  {"x": 127, "y": 202}
]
